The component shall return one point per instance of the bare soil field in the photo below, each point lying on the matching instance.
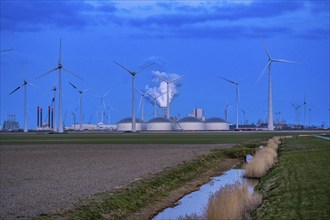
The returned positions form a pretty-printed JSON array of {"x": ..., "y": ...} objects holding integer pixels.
[{"x": 38, "y": 179}]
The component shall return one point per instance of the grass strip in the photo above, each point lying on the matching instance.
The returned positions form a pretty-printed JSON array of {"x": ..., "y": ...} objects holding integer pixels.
[
  {"x": 131, "y": 138},
  {"x": 298, "y": 185},
  {"x": 119, "y": 204}
]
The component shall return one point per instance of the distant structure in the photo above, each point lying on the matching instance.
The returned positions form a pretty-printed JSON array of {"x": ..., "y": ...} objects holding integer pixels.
[
  {"x": 198, "y": 113},
  {"x": 10, "y": 124}
]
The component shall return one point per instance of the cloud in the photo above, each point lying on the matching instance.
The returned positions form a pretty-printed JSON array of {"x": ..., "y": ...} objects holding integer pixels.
[
  {"x": 175, "y": 19},
  {"x": 38, "y": 15},
  {"x": 187, "y": 15}
]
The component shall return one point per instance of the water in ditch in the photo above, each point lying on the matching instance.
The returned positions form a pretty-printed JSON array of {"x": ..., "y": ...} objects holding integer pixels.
[{"x": 196, "y": 202}]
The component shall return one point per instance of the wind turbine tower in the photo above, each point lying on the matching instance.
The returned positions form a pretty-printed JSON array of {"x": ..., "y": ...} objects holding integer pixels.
[
  {"x": 59, "y": 68},
  {"x": 133, "y": 73},
  {"x": 103, "y": 105},
  {"x": 155, "y": 102},
  {"x": 80, "y": 91},
  {"x": 237, "y": 96},
  {"x": 54, "y": 107},
  {"x": 305, "y": 103},
  {"x": 25, "y": 83},
  {"x": 168, "y": 82},
  {"x": 270, "y": 90},
  {"x": 297, "y": 107},
  {"x": 143, "y": 95}
]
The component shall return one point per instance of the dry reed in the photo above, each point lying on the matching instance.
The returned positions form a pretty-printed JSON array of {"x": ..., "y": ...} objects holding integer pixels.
[
  {"x": 232, "y": 202},
  {"x": 263, "y": 160}
]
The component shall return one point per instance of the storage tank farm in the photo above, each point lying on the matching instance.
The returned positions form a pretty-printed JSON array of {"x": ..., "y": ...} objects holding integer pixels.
[
  {"x": 159, "y": 124},
  {"x": 126, "y": 124},
  {"x": 216, "y": 124}
]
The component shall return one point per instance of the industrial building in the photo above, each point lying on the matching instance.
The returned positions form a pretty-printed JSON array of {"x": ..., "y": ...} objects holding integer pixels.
[
  {"x": 126, "y": 124},
  {"x": 216, "y": 124},
  {"x": 159, "y": 124}
]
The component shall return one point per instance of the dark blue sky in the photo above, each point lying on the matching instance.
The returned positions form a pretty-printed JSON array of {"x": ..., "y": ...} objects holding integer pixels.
[{"x": 198, "y": 39}]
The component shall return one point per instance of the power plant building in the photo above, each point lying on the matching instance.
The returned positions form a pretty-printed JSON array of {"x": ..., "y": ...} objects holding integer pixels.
[
  {"x": 216, "y": 124},
  {"x": 126, "y": 124},
  {"x": 190, "y": 124}
]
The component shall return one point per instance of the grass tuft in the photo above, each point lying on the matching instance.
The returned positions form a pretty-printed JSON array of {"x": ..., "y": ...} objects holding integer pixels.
[
  {"x": 263, "y": 160},
  {"x": 232, "y": 202}
]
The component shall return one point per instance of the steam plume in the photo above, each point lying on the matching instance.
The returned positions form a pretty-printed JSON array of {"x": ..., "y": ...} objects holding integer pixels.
[{"x": 159, "y": 91}]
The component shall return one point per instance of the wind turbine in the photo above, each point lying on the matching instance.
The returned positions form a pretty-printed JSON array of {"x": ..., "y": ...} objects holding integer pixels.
[
  {"x": 237, "y": 96},
  {"x": 133, "y": 73},
  {"x": 74, "y": 113},
  {"x": 305, "y": 103},
  {"x": 103, "y": 104},
  {"x": 81, "y": 95},
  {"x": 155, "y": 102},
  {"x": 244, "y": 117},
  {"x": 270, "y": 92},
  {"x": 25, "y": 83},
  {"x": 227, "y": 108},
  {"x": 109, "y": 108},
  {"x": 59, "y": 68},
  {"x": 168, "y": 82},
  {"x": 143, "y": 95},
  {"x": 297, "y": 107}
]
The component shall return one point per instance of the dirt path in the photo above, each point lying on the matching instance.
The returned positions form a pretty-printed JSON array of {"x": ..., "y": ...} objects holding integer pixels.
[{"x": 51, "y": 178}]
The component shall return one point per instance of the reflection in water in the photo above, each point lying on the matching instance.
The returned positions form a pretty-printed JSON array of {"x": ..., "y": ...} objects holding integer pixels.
[{"x": 196, "y": 202}]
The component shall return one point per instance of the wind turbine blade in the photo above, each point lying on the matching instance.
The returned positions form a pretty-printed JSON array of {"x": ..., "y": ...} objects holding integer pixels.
[
  {"x": 262, "y": 73},
  {"x": 123, "y": 67},
  {"x": 139, "y": 91},
  {"x": 139, "y": 70},
  {"x": 140, "y": 104},
  {"x": 72, "y": 73},
  {"x": 230, "y": 81},
  {"x": 32, "y": 85},
  {"x": 103, "y": 102},
  {"x": 47, "y": 72},
  {"x": 73, "y": 86},
  {"x": 60, "y": 55},
  {"x": 264, "y": 45},
  {"x": 161, "y": 78},
  {"x": 96, "y": 96},
  {"x": 2, "y": 51},
  {"x": 175, "y": 79},
  {"x": 114, "y": 109},
  {"x": 105, "y": 94},
  {"x": 237, "y": 90},
  {"x": 284, "y": 61},
  {"x": 15, "y": 90}
]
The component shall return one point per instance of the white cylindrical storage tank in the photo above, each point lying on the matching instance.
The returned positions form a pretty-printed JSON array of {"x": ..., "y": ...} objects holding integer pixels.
[
  {"x": 190, "y": 124},
  {"x": 216, "y": 124},
  {"x": 126, "y": 124},
  {"x": 159, "y": 124}
]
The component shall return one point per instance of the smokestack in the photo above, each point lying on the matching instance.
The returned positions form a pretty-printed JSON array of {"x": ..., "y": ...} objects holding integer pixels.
[
  {"x": 40, "y": 117},
  {"x": 52, "y": 118},
  {"x": 48, "y": 116},
  {"x": 164, "y": 112},
  {"x": 38, "y": 110}
]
